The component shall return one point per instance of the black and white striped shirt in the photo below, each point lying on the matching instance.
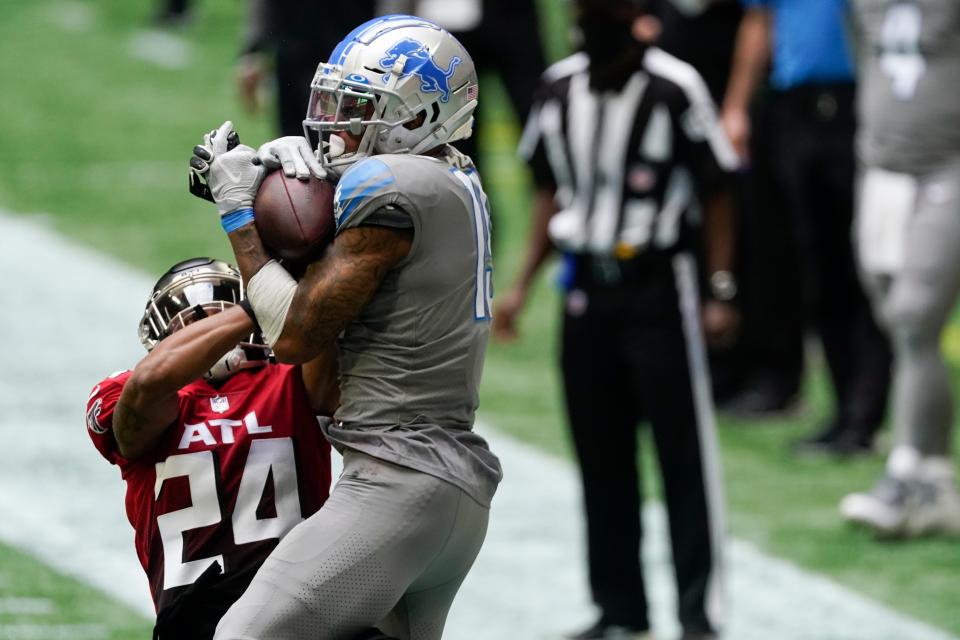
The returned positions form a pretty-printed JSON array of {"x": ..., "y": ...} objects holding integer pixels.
[{"x": 626, "y": 166}]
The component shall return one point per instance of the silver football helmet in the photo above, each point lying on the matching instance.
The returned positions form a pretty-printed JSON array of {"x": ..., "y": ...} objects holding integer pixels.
[
  {"x": 192, "y": 290},
  {"x": 402, "y": 83}
]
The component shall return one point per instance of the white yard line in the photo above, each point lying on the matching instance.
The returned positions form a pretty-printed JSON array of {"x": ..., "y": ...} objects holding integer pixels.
[
  {"x": 27, "y": 631},
  {"x": 27, "y": 606},
  {"x": 69, "y": 319}
]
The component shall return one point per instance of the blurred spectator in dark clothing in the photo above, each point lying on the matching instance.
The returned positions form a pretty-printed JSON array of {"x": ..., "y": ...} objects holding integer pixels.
[
  {"x": 703, "y": 33},
  {"x": 759, "y": 375},
  {"x": 172, "y": 13},
  {"x": 502, "y": 36},
  {"x": 300, "y": 34},
  {"x": 813, "y": 161}
]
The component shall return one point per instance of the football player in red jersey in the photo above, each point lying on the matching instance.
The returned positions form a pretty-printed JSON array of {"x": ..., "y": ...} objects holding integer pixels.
[{"x": 219, "y": 446}]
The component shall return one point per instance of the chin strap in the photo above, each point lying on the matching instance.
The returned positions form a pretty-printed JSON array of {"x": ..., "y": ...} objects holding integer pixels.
[
  {"x": 231, "y": 362},
  {"x": 456, "y": 127},
  {"x": 335, "y": 147}
]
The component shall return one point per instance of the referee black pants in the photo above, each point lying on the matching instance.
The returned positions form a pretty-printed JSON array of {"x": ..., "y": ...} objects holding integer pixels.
[{"x": 635, "y": 353}]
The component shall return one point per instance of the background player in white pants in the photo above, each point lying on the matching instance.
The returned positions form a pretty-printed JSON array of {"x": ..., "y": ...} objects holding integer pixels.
[
  {"x": 405, "y": 290},
  {"x": 908, "y": 236}
]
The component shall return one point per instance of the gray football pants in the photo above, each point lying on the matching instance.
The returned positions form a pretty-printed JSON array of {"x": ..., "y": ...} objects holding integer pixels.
[
  {"x": 388, "y": 549},
  {"x": 914, "y": 303}
]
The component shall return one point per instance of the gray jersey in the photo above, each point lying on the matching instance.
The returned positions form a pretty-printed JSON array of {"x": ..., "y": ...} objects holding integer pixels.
[
  {"x": 909, "y": 105},
  {"x": 411, "y": 362}
]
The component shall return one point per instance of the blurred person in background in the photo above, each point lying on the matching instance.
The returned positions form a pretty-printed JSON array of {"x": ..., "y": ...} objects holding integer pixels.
[
  {"x": 299, "y": 34},
  {"x": 172, "y": 13},
  {"x": 748, "y": 379},
  {"x": 760, "y": 375},
  {"x": 701, "y": 33},
  {"x": 813, "y": 162},
  {"x": 502, "y": 36},
  {"x": 908, "y": 237},
  {"x": 622, "y": 140}
]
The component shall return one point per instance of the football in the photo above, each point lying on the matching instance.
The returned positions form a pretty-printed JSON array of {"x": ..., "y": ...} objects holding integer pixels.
[{"x": 294, "y": 217}]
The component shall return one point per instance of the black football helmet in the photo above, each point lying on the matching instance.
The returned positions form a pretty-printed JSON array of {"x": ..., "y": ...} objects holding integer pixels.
[{"x": 192, "y": 290}]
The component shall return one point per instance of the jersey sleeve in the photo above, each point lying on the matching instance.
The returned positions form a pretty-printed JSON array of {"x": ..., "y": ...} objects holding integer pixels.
[
  {"x": 100, "y": 406},
  {"x": 702, "y": 143},
  {"x": 368, "y": 194}
]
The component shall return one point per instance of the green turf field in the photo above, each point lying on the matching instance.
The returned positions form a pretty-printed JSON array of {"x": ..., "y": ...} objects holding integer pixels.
[
  {"x": 36, "y": 602},
  {"x": 96, "y": 142}
]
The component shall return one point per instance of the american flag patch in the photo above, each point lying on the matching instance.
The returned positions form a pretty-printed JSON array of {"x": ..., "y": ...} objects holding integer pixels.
[{"x": 473, "y": 91}]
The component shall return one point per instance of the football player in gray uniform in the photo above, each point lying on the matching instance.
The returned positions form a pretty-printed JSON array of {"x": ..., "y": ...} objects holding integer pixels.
[
  {"x": 405, "y": 291},
  {"x": 908, "y": 232}
]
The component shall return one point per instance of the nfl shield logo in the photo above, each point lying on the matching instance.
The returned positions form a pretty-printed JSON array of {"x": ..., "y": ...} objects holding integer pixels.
[{"x": 219, "y": 404}]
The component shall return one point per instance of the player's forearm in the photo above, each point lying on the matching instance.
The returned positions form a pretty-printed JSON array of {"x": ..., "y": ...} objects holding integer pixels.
[
  {"x": 188, "y": 353},
  {"x": 539, "y": 246},
  {"x": 720, "y": 231},
  {"x": 148, "y": 403},
  {"x": 249, "y": 250},
  {"x": 321, "y": 377},
  {"x": 335, "y": 289},
  {"x": 319, "y": 311},
  {"x": 750, "y": 58}
]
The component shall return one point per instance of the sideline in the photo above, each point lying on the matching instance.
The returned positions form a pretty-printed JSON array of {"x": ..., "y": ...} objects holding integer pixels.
[{"x": 70, "y": 318}]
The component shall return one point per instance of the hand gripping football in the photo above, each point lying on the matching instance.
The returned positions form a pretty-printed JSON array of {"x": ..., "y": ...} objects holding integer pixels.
[{"x": 295, "y": 217}]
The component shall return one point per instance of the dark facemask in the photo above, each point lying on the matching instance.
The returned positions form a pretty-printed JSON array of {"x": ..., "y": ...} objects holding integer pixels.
[{"x": 614, "y": 53}]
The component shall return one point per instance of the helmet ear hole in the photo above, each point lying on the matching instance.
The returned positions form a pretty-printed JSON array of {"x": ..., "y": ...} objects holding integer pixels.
[{"x": 417, "y": 122}]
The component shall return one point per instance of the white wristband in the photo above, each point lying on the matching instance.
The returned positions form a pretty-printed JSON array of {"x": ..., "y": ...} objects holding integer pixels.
[{"x": 271, "y": 292}]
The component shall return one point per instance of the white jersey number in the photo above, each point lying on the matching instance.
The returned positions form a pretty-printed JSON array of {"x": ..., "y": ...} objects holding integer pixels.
[
  {"x": 266, "y": 455},
  {"x": 483, "y": 297},
  {"x": 901, "y": 58}
]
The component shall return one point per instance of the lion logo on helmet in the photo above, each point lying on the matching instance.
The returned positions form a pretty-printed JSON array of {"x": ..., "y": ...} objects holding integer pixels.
[{"x": 419, "y": 63}]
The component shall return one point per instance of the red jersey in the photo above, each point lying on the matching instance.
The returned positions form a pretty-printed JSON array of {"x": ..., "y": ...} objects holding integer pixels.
[{"x": 239, "y": 467}]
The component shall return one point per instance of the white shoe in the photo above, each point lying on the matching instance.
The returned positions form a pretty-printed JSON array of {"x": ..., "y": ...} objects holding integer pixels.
[
  {"x": 935, "y": 501},
  {"x": 883, "y": 509}
]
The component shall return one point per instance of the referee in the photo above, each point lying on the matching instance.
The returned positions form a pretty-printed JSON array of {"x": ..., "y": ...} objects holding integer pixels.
[{"x": 628, "y": 157}]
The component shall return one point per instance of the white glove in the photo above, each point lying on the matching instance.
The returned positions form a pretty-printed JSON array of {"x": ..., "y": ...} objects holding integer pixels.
[
  {"x": 233, "y": 176},
  {"x": 294, "y": 155}
]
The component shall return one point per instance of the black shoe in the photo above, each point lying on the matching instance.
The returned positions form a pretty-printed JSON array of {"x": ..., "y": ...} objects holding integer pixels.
[
  {"x": 166, "y": 19},
  {"x": 835, "y": 441},
  {"x": 761, "y": 400},
  {"x": 604, "y": 631}
]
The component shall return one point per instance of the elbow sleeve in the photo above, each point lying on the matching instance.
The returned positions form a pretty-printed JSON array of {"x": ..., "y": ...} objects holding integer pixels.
[{"x": 271, "y": 292}]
